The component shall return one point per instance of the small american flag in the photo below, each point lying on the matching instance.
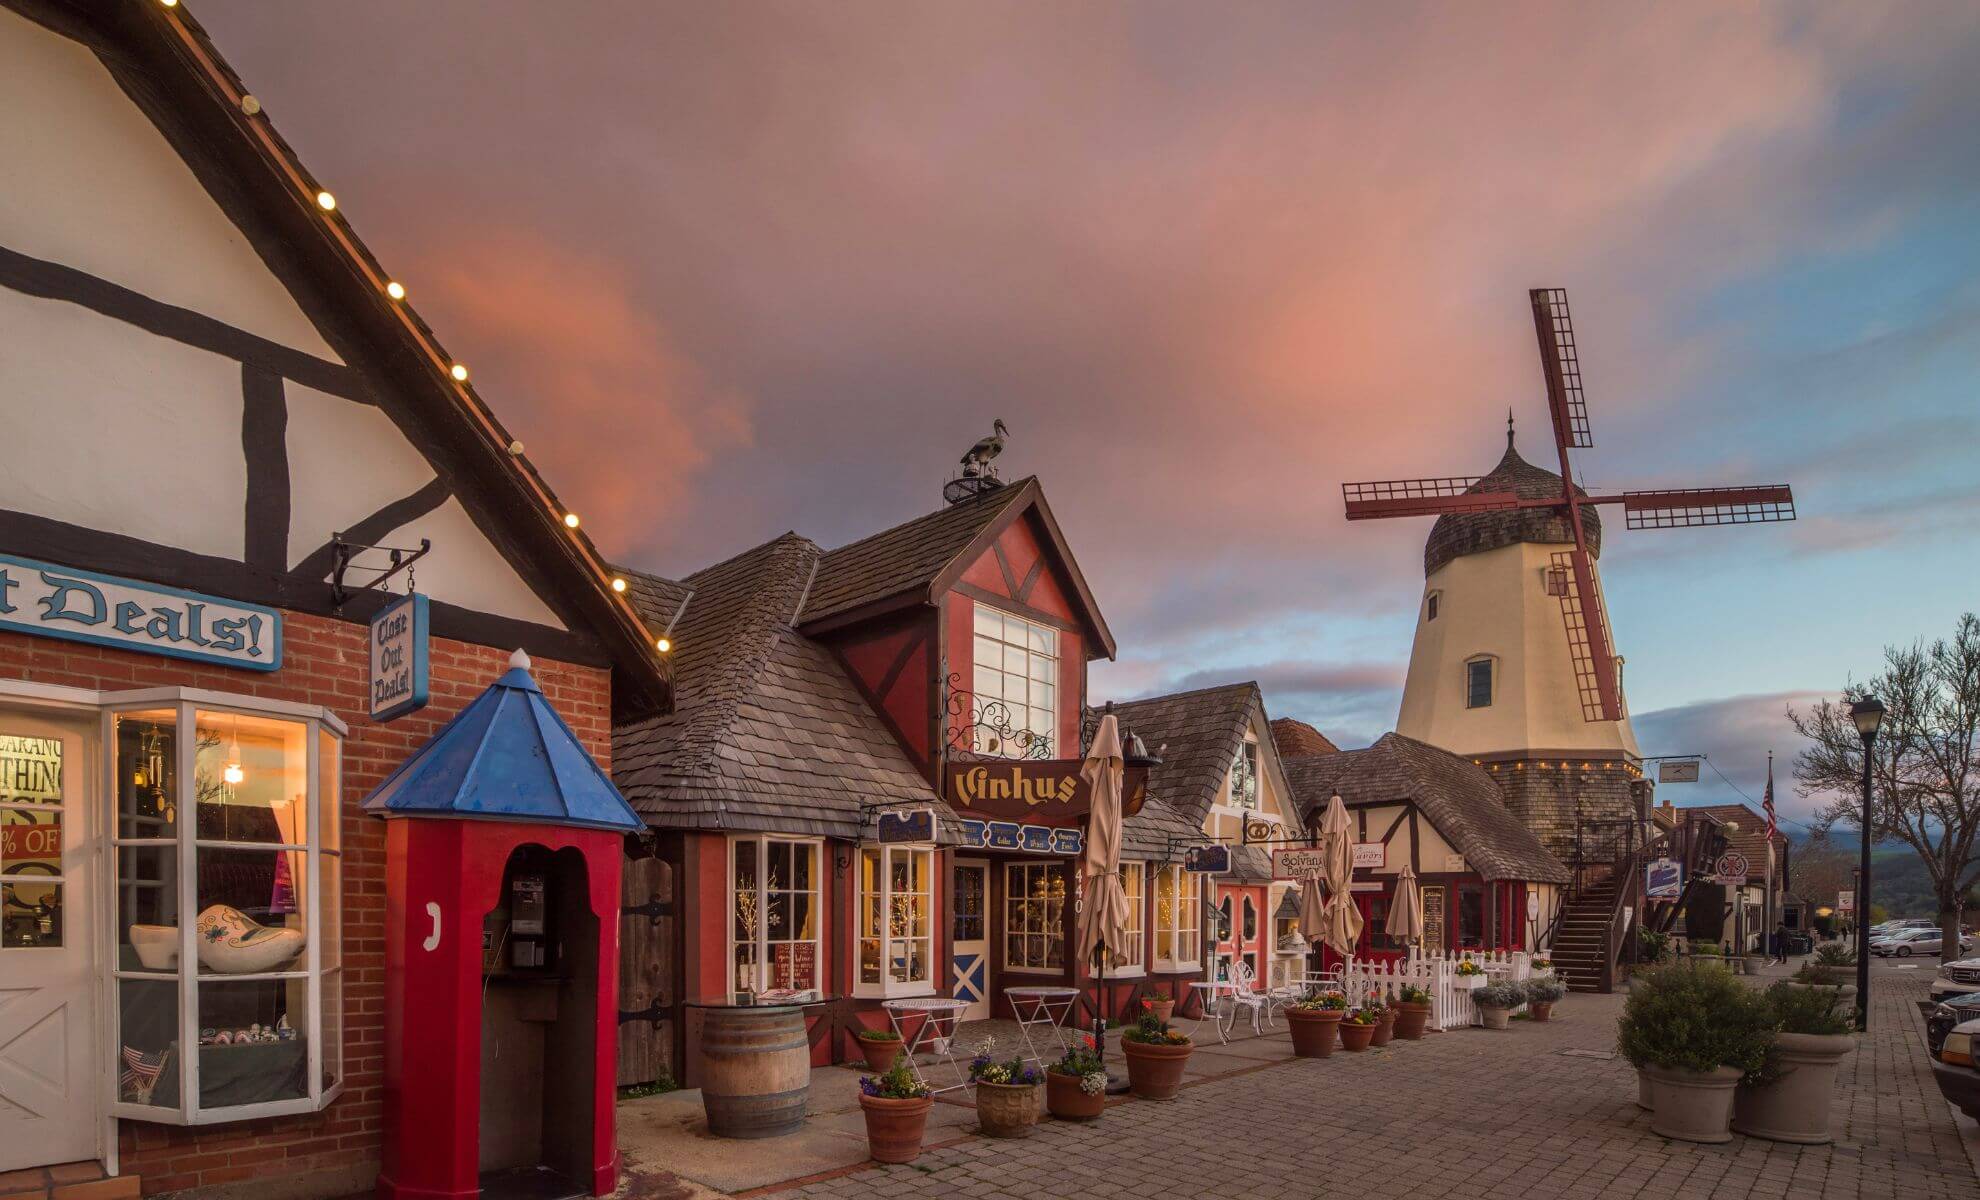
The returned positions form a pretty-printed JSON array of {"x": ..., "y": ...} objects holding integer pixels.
[
  {"x": 141, "y": 1073},
  {"x": 1767, "y": 801}
]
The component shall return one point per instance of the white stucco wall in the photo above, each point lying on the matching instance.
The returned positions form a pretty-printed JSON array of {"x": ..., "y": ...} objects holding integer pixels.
[{"x": 1496, "y": 604}]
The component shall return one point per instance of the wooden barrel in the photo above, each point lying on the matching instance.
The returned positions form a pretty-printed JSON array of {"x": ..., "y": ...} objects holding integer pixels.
[{"x": 756, "y": 1071}]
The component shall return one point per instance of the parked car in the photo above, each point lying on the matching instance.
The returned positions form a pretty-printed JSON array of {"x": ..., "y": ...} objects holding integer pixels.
[
  {"x": 1952, "y": 1057},
  {"x": 1958, "y": 978},
  {"x": 1907, "y": 942},
  {"x": 1945, "y": 1016}
]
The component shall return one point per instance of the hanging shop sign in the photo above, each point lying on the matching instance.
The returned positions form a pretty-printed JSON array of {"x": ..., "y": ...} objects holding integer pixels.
[
  {"x": 1682, "y": 770},
  {"x": 1846, "y": 902},
  {"x": 398, "y": 658},
  {"x": 1663, "y": 879},
  {"x": 82, "y": 606},
  {"x": 1046, "y": 790},
  {"x": 1026, "y": 839},
  {"x": 908, "y": 825},
  {"x": 1731, "y": 868},
  {"x": 1207, "y": 860},
  {"x": 1371, "y": 854},
  {"x": 1298, "y": 863}
]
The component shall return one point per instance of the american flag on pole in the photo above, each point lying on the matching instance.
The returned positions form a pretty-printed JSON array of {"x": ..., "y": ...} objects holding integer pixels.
[{"x": 1767, "y": 802}]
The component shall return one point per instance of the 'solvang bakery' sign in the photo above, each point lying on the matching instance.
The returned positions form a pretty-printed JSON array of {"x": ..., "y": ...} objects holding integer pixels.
[
  {"x": 82, "y": 606},
  {"x": 1046, "y": 789}
]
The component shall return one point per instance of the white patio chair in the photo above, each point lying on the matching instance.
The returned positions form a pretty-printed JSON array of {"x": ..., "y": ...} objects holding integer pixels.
[{"x": 1245, "y": 994}]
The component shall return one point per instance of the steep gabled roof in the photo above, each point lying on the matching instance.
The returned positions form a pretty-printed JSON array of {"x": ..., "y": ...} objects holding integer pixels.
[
  {"x": 1750, "y": 839},
  {"x": 1456, "y": 794},
  {"x": 1297, "y": 739},
  {"x": 915, "y": 562},
  {"x": 767, "y": 732},
  {"x": 169, "y": 67}
]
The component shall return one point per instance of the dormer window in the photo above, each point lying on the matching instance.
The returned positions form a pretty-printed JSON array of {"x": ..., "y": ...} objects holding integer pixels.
[
  {"x": 1244, "y": 777},
  {"x": 1478, "y": 681},
  {"x": 1430, "y": 605},
  {"x": 1017, "y": 685}
]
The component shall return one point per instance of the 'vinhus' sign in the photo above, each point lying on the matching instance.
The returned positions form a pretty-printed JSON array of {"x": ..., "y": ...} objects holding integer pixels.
[
  {"x": 82, "y": 606},
  {"x": 1033, "y": 789}
]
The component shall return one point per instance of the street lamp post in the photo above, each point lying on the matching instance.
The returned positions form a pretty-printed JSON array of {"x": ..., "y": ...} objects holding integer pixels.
[{"x": 1868, "y": 714}]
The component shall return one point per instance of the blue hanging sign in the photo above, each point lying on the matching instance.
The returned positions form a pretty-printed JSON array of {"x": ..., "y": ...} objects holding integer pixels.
[
  {"x": 908, "y": 825},
  {"x": 1207, "y": 860},
  {"x": 1009, "y": 835},
  {"x": 398, "y": 658},
  {"x": 83, "y": 606}
]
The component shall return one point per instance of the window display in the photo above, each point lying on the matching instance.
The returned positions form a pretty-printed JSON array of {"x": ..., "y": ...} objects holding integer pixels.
[
  {"x": 896, "y": 942},
  {"x": 774, "y": 899},
  {"x": 1035, "y": 916}
]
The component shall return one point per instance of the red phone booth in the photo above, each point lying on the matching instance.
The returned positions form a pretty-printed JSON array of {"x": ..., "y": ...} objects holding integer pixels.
[{"x": 502, "y": 856}]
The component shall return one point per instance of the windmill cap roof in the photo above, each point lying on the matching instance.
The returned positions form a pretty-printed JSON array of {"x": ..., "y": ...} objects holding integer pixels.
[
  {"x": 1458, "y": 534},
  {"x": 507, "y": 756}
]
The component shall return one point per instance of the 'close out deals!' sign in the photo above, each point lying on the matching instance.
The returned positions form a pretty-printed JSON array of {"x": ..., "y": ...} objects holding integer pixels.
[{"x": 398, "y": 658}]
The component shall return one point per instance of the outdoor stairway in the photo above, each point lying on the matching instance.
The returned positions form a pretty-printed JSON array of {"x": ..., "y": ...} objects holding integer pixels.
[{"x": 1582, "y": 938}]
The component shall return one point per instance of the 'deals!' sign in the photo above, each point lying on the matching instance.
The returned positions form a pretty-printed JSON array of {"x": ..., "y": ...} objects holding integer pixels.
[
  {"x": 1038, "y": 790},
  {"x": 82, "y": 606},
  {"x": 398, "y": 658}
]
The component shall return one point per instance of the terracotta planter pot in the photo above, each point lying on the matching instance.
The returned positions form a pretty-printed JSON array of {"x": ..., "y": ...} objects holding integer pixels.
[
  {"x": 1007, "y": 1110},
  {"x": 1384, "y": 1028},
  {"x": 1692, "y": 1106},
  {"x": 1795, "y": 1107},
  {"x": 1494, "y": 1018},
  {"x": 1356, "y": 1037},
  {"x": 894, "y": 1127},
  {"x": 1312, "y": 1031},
  {"x": 1068, "y": 1101},
  {"x": 1540, "y": 1010},
  {"x": 880, "y": 1056},
  {"x": 1412, "y": 1020},
  {"x": 1155, "y": 1072},
  {"x": 1163, "y": 1009}
]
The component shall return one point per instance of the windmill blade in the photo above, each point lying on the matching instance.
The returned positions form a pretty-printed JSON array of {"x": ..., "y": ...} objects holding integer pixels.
[
  {"x": 1679, "y": 508},
  {"x": 1590, "y": 648},
  {"x": 1421, "y": 498},
  {"x": 1562, "y": 367}
]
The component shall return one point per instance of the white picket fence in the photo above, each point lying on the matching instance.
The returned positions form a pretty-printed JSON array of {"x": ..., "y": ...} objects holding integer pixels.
[{"x": 1435, "y": 973}]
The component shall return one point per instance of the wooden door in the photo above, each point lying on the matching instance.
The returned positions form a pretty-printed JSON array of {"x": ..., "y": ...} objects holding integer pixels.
[{"x": 51, "y": 1093}]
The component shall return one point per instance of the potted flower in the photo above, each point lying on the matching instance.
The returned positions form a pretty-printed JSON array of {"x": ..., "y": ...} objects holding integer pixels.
[
  {"x": 1006, "y": 1096},
  {"x": 1496, "y": 1002},
  {"x": 896, "y": 1106},
  {"x": 1161, "y": 1007},
  {"x": 1542, "y": 993},
  {"x": 1155, "y": 1058},
  {"x": 1076, "y": 1085},
  {"x": 1787, "y": 1100},
  {"x": 1542, "y": 965},
  {"x": 1358, "y": 1029},
  {"x": 1385, "y": 1021},
  {"x": 1412, "y": 1013},
  {"x": 1313, "y": 1020},
  {"x": 1693, "y": 1031},
  {"x": 1469, "y": 976},
  {"x": 881, "y": 1047}
]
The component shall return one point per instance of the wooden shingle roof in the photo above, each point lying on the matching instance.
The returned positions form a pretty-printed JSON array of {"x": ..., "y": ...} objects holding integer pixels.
[
  {"x": 1458, "y": 534},
  {"x": 1456, "y": 794},
  {"x": 903, "y": 560},
  {"x": 1297, "y": 739}
]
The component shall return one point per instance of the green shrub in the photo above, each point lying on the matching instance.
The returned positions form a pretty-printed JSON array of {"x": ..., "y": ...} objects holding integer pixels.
[
  {"x": 1694, "y": 1017},
  {"x": 1706, "y": 949},
  {"x": 877, "y": 1035},
  {"x": 1809, "y": 1010},
  {"x": 1544, "y": 989},
  {"x": 1835, "y": 954},
  {"x": 1499, "y": 995},
  {"x": 1652, "y": 945},
  {"x": 1825, "y": 976}
]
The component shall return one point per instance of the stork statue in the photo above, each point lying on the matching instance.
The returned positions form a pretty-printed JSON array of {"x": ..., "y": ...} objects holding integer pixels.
[{"x": 978, "y": 459}]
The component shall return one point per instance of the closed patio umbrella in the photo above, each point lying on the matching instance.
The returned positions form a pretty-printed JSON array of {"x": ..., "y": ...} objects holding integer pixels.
[
  {"x": 1342, "y": 924},
  {"x": 1406, "y": 912},
  {"x": 1103, "y": 902}
]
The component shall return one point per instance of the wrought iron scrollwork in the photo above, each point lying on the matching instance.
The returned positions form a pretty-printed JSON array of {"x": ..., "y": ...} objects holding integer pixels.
[{"x": 985, "y": 729}]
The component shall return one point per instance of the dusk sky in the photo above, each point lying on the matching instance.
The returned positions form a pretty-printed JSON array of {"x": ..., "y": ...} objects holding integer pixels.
[{"x": 731, "y": 269}]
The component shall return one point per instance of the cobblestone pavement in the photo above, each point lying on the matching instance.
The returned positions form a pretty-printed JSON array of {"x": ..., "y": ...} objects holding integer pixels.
[{"x": 1466, "y": 1114}]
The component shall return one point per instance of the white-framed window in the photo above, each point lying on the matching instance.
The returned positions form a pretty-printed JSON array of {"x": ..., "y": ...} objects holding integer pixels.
[
  {"x": 1035, "y": 916},
  {"x": 1016, "y": 683},
  {"x": 896, "y": 921},
  {"x": 1178, "y": 919},
  {"x": 1478, "y": 682},
  {"x": 1244, "y": 777},
  {"x": 775, "y": 911},
  {"x": 1133, "y": 948},
  {"x": 227, "y": 878}
]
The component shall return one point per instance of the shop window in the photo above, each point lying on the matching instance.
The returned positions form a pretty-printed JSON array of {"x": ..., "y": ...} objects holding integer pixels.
[
  {"x": 773, "y": 897},
  {"x": 32, "y": 889},
  {"x": 1378, "y": 935},
  {"x": 227, "y": 874},
  {"x": 1133, "y": 949},
  {"x": 896, "y": 943},
  {"x": 1035, "y": 916},
  {"x": 1244, "y": 777},
  {"x": 1178, "y": 919},
  {"x": 1478, "y": 683},
  {"x": 1250, "y": 920},
  {"x": 1016, "y": 682},
  {"x": 1471, "y": 919}
]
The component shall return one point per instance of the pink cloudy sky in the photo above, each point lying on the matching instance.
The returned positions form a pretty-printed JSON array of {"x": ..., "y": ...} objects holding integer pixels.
[{"x": 732, "y": 269}]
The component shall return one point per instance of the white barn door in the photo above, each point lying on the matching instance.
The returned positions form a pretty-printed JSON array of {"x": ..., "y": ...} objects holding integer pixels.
[{"x": 50, "y": 1091}]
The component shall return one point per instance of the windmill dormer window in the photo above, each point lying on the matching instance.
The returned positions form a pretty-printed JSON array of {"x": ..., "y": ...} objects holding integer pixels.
[
  {"x": 1556, "y": 580},
  {"x": 1430, "y": 605},
  {"x": 1478, "y": 683}
]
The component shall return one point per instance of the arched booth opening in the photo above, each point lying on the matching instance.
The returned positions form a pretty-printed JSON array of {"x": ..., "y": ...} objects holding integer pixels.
[{"x": 503, "y": 847}]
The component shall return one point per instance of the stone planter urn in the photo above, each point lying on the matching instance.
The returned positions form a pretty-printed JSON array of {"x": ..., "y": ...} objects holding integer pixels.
[
  {"x": 1384, "y": 1028},
  {"x": 1155, "y": 1071},
  {"x": 1644, "y": 1100},
  {"x": 1356, "y": 1037},
  {"x": 1067, "y": 1100},
  {"x": 1412, "y": 1020},
  {"x": 1845, "y": 992},
  {"x": 894, "y": 1128},
  {"x": 1494, "y": 1018},
  {"x": 1692, "y": 1106},
  {"x": 1756, "y": 964},
  {"x": 1795, "y": 1106},
  {"x": 1007, "y": 1110},
  {"x": 880, "y": 1052},
  {"x": 1312, "y": 1031}
]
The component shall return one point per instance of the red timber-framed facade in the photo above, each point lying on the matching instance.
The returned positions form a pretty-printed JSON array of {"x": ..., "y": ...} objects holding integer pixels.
[
  {"x": 825, "y": 694},
  {"x": 212, "y": 390},
  {"x": 1487, "y": 882}
]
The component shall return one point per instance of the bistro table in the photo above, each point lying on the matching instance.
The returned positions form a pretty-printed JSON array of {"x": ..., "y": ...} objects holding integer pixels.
[
  {"x": 1048, "y": 1007},
  {"x": 935, "y": 1032},
  {"x": 1209, "y": 993}
]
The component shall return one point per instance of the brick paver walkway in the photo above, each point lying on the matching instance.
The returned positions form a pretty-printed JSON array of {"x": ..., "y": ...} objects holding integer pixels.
[{"x": 1472, "y": 1114}]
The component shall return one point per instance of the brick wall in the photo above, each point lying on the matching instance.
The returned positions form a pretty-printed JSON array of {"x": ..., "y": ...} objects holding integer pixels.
[
  {"x": 1550, "y": 801},
  {"x": 324, "y": 662}
]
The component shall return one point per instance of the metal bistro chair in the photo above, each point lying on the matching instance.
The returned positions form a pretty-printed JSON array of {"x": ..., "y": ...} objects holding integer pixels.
[
  {"x": 1245, "y": 994},
  {"x": 1298, "y": 988}
]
